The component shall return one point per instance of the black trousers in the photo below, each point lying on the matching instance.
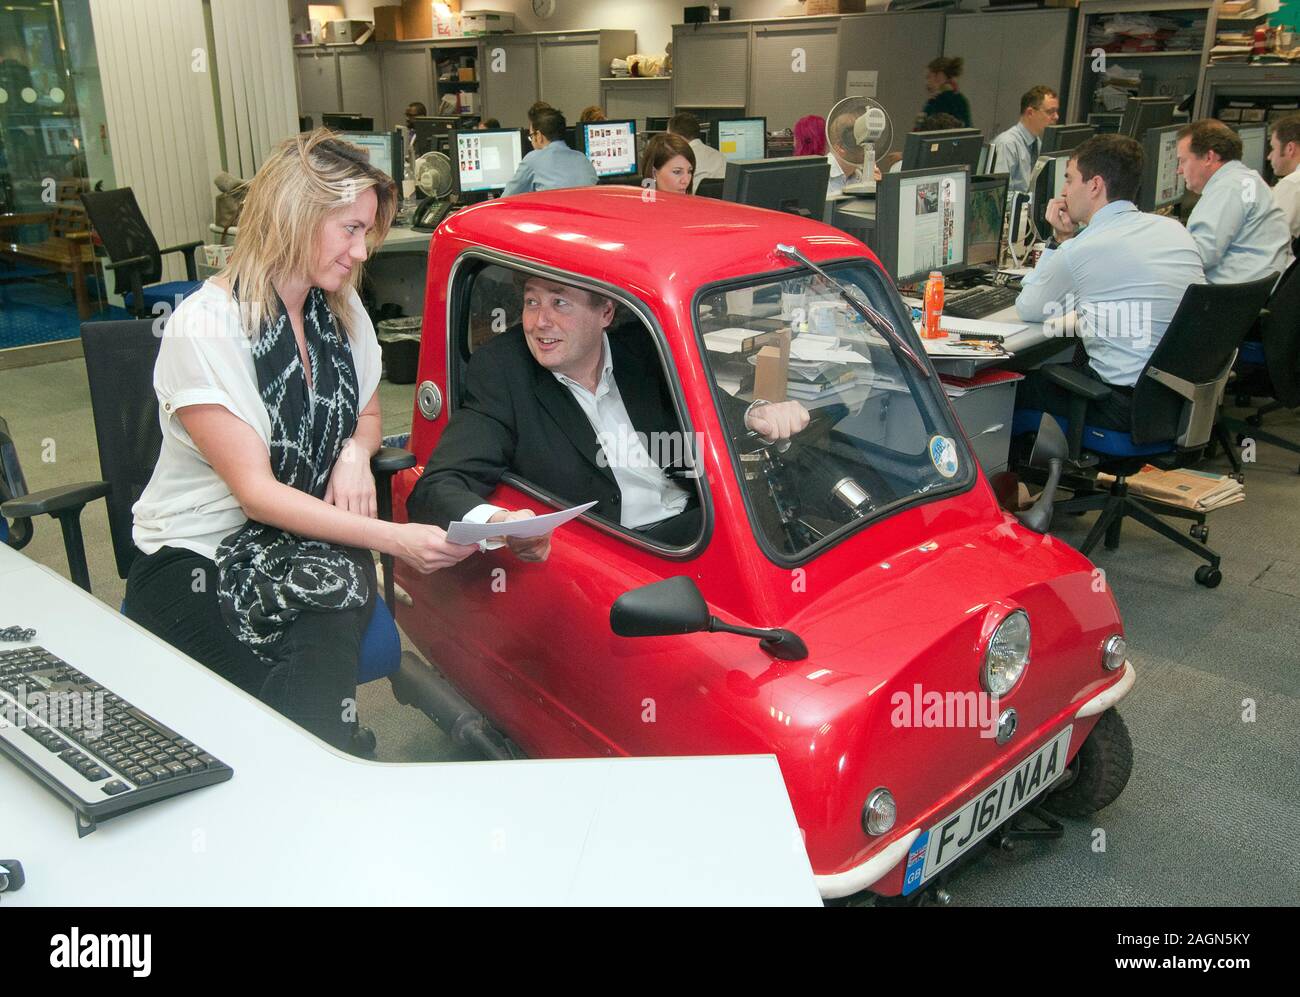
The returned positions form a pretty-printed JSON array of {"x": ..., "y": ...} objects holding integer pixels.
[
  {"x": 1037, "y": 392},
  {"x": 312, "y": 679}
]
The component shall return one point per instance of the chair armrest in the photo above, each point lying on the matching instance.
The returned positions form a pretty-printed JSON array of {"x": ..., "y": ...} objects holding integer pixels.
[
  {"x": 134, "y": 261},
  {"x": 1076, "y": 382},
  {"x": 52, "y": 501},
  {"x": 186, "y": 249},
  {"x": 390, "y": 460}
]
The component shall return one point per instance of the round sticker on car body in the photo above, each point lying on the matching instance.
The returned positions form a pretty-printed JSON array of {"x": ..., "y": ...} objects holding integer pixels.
[{"x": 943, "y": 454}]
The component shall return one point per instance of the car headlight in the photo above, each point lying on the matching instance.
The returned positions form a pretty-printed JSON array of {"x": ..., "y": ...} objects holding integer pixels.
[
  {"x": 1113, "y": 652},
  {"x": 1007, "y": 654},
  {"x": 879, "y": 812}
]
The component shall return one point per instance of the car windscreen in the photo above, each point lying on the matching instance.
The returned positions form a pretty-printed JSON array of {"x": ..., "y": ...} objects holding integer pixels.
[{"x": 880, "y": 435}]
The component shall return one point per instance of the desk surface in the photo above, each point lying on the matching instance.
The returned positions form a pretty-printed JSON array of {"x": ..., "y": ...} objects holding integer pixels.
[
  {"x": 402, "y": 238},
  {"x": 301, "y": 823}
]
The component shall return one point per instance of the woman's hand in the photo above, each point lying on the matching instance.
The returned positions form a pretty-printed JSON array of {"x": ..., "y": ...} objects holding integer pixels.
[
  {"x": 351, "y": 486},
  {"x": 426, "y": 549}
]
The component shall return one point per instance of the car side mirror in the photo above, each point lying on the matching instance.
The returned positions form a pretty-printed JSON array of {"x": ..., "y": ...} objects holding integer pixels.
[{"x": 674, "y": 606}]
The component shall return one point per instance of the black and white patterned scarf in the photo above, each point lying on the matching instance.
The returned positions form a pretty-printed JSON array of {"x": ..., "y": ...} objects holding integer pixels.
[{"x": 266, "y": 576}]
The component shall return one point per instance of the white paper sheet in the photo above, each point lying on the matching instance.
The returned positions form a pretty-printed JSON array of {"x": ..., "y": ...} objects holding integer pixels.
[{"x": 461, "y": 532}]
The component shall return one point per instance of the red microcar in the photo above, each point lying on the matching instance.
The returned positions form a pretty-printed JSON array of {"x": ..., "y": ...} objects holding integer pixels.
[{"x": 923, "y": 664}]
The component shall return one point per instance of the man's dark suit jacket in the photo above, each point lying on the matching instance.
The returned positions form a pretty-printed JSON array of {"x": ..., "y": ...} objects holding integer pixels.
[{"x": 515, "y": 416}]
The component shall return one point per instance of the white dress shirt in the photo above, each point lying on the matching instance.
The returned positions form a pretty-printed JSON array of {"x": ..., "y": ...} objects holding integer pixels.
[
  {"x": 1123, "y": 276},
  {"x": 710, "y": 164},
  {"x": 1017, "y": 151},
  {"x": 1241, "y": 234},
  {"x": 648, "y": 495},
  {"x": 1286, "y": 195}
]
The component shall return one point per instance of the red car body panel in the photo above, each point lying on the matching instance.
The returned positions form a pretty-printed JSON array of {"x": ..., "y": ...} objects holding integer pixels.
[{"x": 908, "y": 600}]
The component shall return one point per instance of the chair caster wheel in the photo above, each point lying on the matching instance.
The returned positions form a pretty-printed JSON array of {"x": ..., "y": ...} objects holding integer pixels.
[
  {"x": 1241, "y": 478},
  {"x": 363, "y": 742},
  {"x": 1208, "y": 576},
  {"x": 1200, "y": 532}
]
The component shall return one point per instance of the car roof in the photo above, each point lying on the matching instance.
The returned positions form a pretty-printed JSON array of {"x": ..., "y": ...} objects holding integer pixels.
[{"x": 634, "y": 237}]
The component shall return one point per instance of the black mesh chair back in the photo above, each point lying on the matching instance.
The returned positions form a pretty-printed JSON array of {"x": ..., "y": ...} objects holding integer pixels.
[
  {"x": 1280, "y": 331},
  {"x": 12, "y": 485},
  {"x": 121, "y": 227},
  {"x": 1210, "y": 324},
  {"x": 120, "y": 358}
]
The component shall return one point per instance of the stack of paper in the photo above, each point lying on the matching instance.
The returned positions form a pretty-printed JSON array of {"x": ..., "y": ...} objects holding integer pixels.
[{"x": 1201, "y": 491}]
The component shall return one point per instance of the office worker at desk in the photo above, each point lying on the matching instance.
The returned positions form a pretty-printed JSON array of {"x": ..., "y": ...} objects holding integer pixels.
[
  {"x": 1284, "y": 157},
  {"x": 1017, "y": 147},
  {"x": 1122, "y": 273},
  {"x": 669, "y": 162},
  {"x": 551, "y": 164},
  {"x": 1240, "y": 233},
  {"x": 256, "y": 527},
  {"x": 710, "y": 164},
  {"x": 539, "y": 400}
]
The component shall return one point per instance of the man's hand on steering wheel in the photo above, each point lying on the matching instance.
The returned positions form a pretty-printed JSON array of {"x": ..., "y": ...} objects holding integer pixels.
[{"x": 776, "y": 420}]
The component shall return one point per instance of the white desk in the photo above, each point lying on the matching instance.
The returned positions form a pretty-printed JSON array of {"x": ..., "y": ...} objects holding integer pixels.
[
  {"x": 404, "y": 239},
  {"x": 301, "y": 823}
]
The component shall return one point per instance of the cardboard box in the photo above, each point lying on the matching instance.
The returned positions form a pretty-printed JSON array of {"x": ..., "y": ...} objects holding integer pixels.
[
  {"x": 466, "y": 74},
  {"x": 388, "y": 23},
  {"x": 447, "y": 27},
  {"x": 834, "y": 7},
  {"x": 483, "y": 22},
  {"x": 346, "y": 31},
  {"x": 417, "y": 19}
]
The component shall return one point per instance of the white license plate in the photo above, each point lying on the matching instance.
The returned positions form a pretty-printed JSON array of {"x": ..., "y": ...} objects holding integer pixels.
[{"x": 958, "y": 833}]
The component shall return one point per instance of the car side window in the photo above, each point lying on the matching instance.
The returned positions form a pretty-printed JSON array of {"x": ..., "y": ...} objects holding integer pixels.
[{"x": 618, "y": 441}]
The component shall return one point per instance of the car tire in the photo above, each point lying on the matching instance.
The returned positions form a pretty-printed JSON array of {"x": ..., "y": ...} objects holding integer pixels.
[{"x": 1101, "y": 770}]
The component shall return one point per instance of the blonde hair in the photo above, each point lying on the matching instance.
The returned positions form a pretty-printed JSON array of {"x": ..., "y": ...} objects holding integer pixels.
[{"x": 304, "y": 180}]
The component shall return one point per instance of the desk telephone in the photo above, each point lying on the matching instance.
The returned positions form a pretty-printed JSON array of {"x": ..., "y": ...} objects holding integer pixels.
[{"x": 430, "y": 213}]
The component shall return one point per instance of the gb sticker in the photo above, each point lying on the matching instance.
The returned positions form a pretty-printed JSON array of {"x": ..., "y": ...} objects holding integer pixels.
[{"x": 943, "y": 454}]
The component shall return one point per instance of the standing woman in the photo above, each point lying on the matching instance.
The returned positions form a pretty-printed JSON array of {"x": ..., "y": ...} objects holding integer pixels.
[
  {"x": 257, "y": 526},
  {"x": 941, "y": 83},
  {"x": 669, "y": 161}
]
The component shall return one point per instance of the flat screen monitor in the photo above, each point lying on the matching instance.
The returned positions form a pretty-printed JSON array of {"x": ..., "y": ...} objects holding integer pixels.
[
  {"x": 1065, "y": 138},
  {"x": 430, "y": 129},
  {"x": 486, "y": 159},
  {"x": 709, "y": 118},
  {"x": 743, "y": 138},
  {"x": 986, "y": 219},
  {"x": 1254, "y": 145},
  {"x": 948, "y": 147},
  {"x": 921, "y": 222},
  {"x": 1106, "y": 122},
  {"x": 342, "y": 121},
  {"x": 656, "y": 124},
  {"x": 1142, "y": 113},
  {"x": 1046, "y": 183},
  {"x": 1161, "y": 184},
  {"x": 611, "y": 147},
  {"x": 384, "y": 149},
  {"x": 796, "y": 184},
  {"x": 988, "y": 160}
]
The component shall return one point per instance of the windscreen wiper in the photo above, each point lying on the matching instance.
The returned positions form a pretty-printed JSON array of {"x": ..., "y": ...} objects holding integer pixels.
[{"x": 854, "y": 297}]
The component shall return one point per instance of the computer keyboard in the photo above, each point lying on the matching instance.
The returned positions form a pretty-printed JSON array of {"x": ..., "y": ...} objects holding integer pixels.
[
  {"x": 979, "y": 302},
  {"x": 90, "y": 746}
]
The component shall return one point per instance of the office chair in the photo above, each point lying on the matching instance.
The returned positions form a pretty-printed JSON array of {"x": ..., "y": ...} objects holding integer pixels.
[
  {"x": 135, "y": 259},
  {"x": 1268, "y": 367},
  {"x": 120, "y": 359},
  {"x": 1174, "y": 406}
]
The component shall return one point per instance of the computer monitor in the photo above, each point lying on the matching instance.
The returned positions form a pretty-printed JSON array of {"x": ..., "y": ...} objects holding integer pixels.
[
  {"x": 486, "y": 159},
  {"x": 384, "y": 150},
  {"x": 796, "y": 184},
  {"x": 611, "y": 147},
  {"x": 429, "y": 128},
  {"x": 947, "y": 147},
  {"x": 743, "y": 138},
  {"x": 343, "y": 121},
  {"x": 709, "y": 118},
  {"x": 1254, "y": 145},
  {"x": 1106, "y": 122},
  {"x": 1142, "y": 113},
  {"x": 985, "y": 219},
  {"x": 988, "y": 160},
  {"x": 921, "y": 222},
  {"x": 1065, "y": 138},
  {"x": 1045, "y": 183},
  {"x": 1161, "y": 184},
  {"x": 656, "y": 124}
]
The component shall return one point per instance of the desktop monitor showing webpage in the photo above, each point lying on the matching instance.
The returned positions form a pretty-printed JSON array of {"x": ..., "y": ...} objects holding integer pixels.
[
  {"x": 921, "y": 222},
  {"x": 743, "y": 138},
  {"x": 1254, "y": 146},
  {"x": 985, "y": 219},
  {"x": 383, "y": 150},
  {"x": 611, "y": 147},
  {"x": 1161, "y": 183},
  {"x": 486, "y": 160}
]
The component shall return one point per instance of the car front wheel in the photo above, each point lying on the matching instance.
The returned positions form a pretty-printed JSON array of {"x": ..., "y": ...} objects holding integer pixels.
[{"x": 1098, "y": 773}]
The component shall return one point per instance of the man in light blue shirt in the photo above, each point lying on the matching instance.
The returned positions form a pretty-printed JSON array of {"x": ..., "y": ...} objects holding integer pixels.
[
  {"x": 1017, "y": 148},
  {"x": 1240, "y": 233},
  {"x": 1119, "y": 272},
  {"x": 551, "y": 164}
]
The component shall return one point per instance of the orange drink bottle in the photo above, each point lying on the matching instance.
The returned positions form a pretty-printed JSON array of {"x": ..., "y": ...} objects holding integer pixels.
[{"x": 933, "y": 306}]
